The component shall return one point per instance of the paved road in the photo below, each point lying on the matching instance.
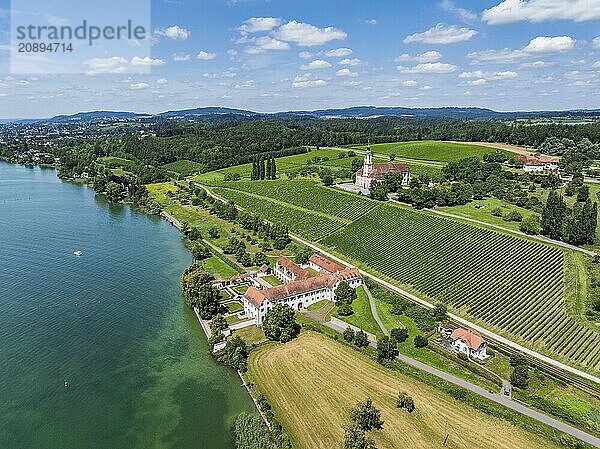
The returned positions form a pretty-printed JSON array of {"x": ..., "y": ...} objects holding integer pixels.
[
  {"x": 456, "y": 318},
  {"x": 498, "y": 398},
  {"x": 374, "y": 312}
]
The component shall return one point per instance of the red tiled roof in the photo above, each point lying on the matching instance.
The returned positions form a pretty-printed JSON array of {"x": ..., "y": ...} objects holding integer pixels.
[
  {"x": 325, "y": 263},
  {"x": 255, "y": 296},
  {"x": 538, "y": 160},
  {"x": 292, "y": 267},
  {"x": 379, "y": 170},
  {"x": 263, "y": 268},
  {"x": 348, "y": 274},
  {"x": 472, "y": 338}
]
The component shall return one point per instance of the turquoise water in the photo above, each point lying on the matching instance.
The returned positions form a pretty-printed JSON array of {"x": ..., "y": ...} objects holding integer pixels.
[{"x": 111, "y": 323}]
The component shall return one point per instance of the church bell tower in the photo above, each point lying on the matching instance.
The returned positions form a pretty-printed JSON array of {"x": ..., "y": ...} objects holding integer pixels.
[{"x": 368, "y": 164}]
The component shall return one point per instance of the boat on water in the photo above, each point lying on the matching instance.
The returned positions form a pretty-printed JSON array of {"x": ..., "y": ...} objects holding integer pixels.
[
  {"x": 77, "y": 253},
  {"x": 66, "y": 384}
]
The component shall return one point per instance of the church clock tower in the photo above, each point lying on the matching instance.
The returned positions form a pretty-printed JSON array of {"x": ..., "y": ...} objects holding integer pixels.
[{"x": 368, "y": 164}]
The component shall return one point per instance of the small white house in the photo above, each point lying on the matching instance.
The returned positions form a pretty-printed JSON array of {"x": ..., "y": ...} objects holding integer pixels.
[
  {"x": 539, "y": 163},
  {"x": 469, "y": 342}
]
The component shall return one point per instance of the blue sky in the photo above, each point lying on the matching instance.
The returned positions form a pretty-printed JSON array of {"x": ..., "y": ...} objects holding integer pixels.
[{"x": 288, "y": 55}]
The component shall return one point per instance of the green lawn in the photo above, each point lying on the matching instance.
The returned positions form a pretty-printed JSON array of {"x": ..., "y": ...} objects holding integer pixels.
[
  {"x": 241, "y": 289},
  {"x": 485, "y": 214},
  {"x": 362, "y": 316},
  {"x": 158, "y": 192},
  {"x": 232, "y": 319},
  {"x": 219, "y": 268},
  {"x": 431, "y": 150},
  {"x": 234, "y": 306},
  {"x": 318, "y": 305},
  {"x": 251, "y": 334},
  {"x": 274, "y": 281}
]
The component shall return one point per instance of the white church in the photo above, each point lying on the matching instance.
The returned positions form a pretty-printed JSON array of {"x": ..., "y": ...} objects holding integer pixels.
[{"x": 370, "y": 171}]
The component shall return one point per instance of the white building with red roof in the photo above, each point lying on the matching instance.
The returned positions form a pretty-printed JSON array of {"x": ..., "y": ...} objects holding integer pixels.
[
  {"x": 539, "y": 163},
  {"x": 375, "y": 172},
  {"x": 469, "y": 342},
  {"x": 288, "y": 271},
  {"x": 298, "y": 293}
]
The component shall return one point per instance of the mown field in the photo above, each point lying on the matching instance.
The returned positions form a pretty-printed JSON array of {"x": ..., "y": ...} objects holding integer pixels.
[
  {"x": 520, "y": 288},
  {"x": 312, "y": 382},
  {"x": 431, "y": 150}
]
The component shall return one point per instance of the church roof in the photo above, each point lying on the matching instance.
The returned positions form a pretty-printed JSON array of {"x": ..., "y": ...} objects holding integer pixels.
[{"x": 379, "y": 170}]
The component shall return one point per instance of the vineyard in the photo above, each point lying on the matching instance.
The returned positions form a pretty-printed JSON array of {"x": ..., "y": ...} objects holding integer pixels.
[
  {"x": 513, "y": 284},
  {"x": 309, "y": 224},
  {"x": 431, "y": 150},
  {"x": 309, "y": 195}
]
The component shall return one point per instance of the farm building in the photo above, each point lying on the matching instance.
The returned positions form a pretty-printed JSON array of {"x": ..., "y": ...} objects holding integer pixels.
[
  {"x": 298, "y": 293},
  {"x": 320, "y": 263},
  {"x": 469, "y": 342},
  {"x": 539, "y": 163},
  {"x": 370, "y": 171}
]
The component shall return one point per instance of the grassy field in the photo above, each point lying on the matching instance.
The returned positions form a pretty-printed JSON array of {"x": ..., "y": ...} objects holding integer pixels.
[
  {"x": 525, "y": 290},
  {"x": 362, "y": 316},
  {"x": 312, "y": 382},
  {"x": 184, "y": 167},
  {"x": 272, "y": 280},
  {"x": 158, "y": 192},
  {"x": 431, "y": 150},
  {"x": 219, "y": 268}
]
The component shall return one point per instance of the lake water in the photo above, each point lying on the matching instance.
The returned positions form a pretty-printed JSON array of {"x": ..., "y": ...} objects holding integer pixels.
[{"x": 111, "y": 323}]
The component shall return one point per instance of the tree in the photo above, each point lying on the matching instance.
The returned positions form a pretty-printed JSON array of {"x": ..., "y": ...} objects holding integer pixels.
[
  {"x": 273, "y": 168},
  {"x": 218, "y": 324},
  {"x": 405, "y": 401},
  {"x": 366, "y": 415},
  {"x": 400, "y": 334},
  {"x": 280, "y": 324},
  {"x": 259, "y": 259},
  {"x": 348, "y": 334},
  {"x": 268, "y": 169},
  {"x": 553, "y": 216},
  {"x": 530, "y": 225},
  {"x": 520, "y": 376},
  {"x": 261, "y": 169},
  {"x": 303, "y": 254},
  {"x": 517, "y": 359},
  {"x": 213, "y": 233},
  {"x": 113, "y": 192},
  {"x": 378, "y": 190},
  {"x": 200, "y": 252},
  {"x": 421, "y": 341},
  {"x": 236, "y": 353},
  {"x": 386, "y": 348},
  {"x": 513, "y": 215},
  {"x": 192, "y": 278},
  {"x": 440, "y": 312},
  {"x": 328, "y": 180},
  {"x": 355, "y": 438},
  {"x": 254, "y": 175},
  {"x": 344, "y": 309},
  {"x": 208, "y": 301},
  {"x": 344, "y": 293},
  {"x": 194, "y": 234},
  {"x": 360, "y": 339}
]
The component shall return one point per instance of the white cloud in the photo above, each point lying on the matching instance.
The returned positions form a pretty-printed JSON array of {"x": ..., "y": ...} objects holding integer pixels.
[
  {"x": 409, "y": 83},
  {"x": 305, "y": 55},
  {"x": 537, "y": 46},
  {"x": 428, "y": 56},
  {"x": 256, "y": 24},
  {"x": 338, "y": 53},
  {"x": 535, "y": 64},
  {"x": 463, "y": 14},
  {"x": 139, "y": 86},
  {"x": 371, "y": 22},
  {"x": 430, "y": 67},
  {"x": 264, "y": 44},
  {"x": 596, "y": 43},
  {"x": 178, "y": 57},
  {"x": 317, "y": 64},
  {"x": 543, "y": 44},
  {"x": 302, "y": 81},
  {"x": 99, "y": 66},
  {"x": 478, "y": 82},
  {"x": 475, "y": 74},
  {"x": 352, "y": 83},
  {"x": 351, "y": 62},
  {"x": 232, "y": 52},
  {"x": 504, "y": 75},
  {"x": 162, "y": 81},
  {"x": 307, "y": 35},
  {"x": 479, "y": 75},
  {"x": 146, "y": 61},
  {"x": 346, "y": 72},
  {"x": 596, "y": 65},
  {"x": 426, "y": 88},
  {"x": 206, "y": 56},
  {"x": 173, "y": 32},
  {"x": 510, "y": 11},
  {"x": 442, "y": 34}
]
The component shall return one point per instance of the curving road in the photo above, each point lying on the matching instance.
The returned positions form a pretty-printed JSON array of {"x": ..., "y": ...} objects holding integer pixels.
[{"x": 498, "y": 398}]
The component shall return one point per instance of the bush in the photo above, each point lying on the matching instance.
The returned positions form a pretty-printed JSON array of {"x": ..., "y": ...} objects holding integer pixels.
[
  {"x": 531, "y": 225},
  {"x": 459, "y": 393},
  {"x": 250, "y": 432},
  {"x": 520, "y": 376},
  {"x": 405, "y": 401},
  {"x": 513, "y": 216},
  {"x": 497, "y": 212},
  {"x": 421, "y": 341},
  {"x": 348, "y": 335},
  {"x": 399, "y": 334}
]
